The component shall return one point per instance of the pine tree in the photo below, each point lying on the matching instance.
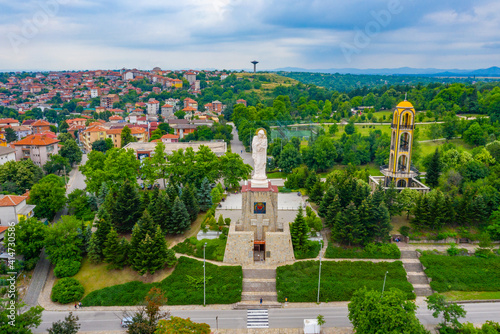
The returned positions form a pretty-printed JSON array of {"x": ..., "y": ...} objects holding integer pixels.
[
  {"x": 122, "y": 258},
  {"x": 145, "y": 199},
  {"x": 97, "y": 240},
  {"x": 299, "y": 231},
  {"x": 390, "y": 199},
  {"x": 378, "y": 195},
  {"x": 145, "y": 256},
  {"x": 103, "y": 192},
  {"x": 204, "y": 195},
  {"x": 160, "y": 210},
  {"x": 449, "y": 211},
  {"x": 480, "y": 210},
  {"x": 326, "y": 201},
  {"x": 367, "y": 220},
  {"x": 144, "y": 226},
  {"x": 160, "y": 248},
  {"x": 179, "y": 221},
  {"x": 111, "y": 249},
  {"x": 333, "y": 209},
  {"x": 382, "y": 222},
  {"x": 316, "y": 194},
  {"x": 190, "y": 202},
  {"x": 418, "y": 214},
  {"x": 434, "y": 170},
  {"x": 347, "y": 228},
  {"x": 127, "y": 209},
  {"x": 172, "y": 192},
  {"x": 311, "y": 181}
]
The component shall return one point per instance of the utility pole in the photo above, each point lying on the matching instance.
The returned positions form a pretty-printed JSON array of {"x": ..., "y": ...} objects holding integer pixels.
[
  {"x": 383, "y": 286},
  {"x": 319, "y": 276},
  {"x": 65, "y": 185},
  {"x": 204, "y": 285}
]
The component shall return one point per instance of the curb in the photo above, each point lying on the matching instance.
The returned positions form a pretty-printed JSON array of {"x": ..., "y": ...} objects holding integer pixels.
[{"x": 475, "y": 301}]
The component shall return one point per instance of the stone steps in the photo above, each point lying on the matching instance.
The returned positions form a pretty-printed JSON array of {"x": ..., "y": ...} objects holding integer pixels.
[
  {"x": 245, "y": 305},
  {"x": 418, "y": 279},
  {"x": 423, "y": 292},
  {"x": 259, "y": 273},
  {"x": 413, "y": 267},
  {"x": 409, "y": 254},
  {"x": 256, "y": 296},
  {"x": 256, "y": 286}
]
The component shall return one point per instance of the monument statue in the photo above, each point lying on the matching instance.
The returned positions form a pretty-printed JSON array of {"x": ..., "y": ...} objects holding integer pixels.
[{"x": 259, "y": 155}]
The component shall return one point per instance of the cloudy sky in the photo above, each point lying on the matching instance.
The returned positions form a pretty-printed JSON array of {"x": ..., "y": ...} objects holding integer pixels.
[{"x": 228, "y": 34}]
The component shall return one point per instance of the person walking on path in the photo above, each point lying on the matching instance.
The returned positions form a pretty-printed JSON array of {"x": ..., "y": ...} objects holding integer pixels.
[
  {"x": 260, "y": 301},
  {"x": 76, "y": 306},
  {"x": 80, "y": 304}
]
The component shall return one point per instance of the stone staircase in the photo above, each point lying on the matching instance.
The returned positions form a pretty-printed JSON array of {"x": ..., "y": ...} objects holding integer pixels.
[
  {"x": 258, "y": 283},
  {"x": 415, "y": 273}
]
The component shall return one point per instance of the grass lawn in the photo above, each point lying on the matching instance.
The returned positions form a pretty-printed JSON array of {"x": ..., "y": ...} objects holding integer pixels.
[
  {"x": 96, "y": 276},
  {"x": 339, "y": 280},
  {"x": 471, "y": 295},
  {"x": 462, "y": 273},
  {"x": 430, "y": 146},
  {"x": 183, "y": 287},
  {"x": 397, "y": 222},
  {"x": 363, "y": 129},
  {"x": 372, "y": 167},
  {"x": 276, "y": 175}
]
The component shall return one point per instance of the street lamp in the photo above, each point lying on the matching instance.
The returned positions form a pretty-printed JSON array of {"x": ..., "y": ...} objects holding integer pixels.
[
  {"x": 319, "y": 276},
  {"x": 383, "y": 286},
  {"x": 204, "y": 285}
]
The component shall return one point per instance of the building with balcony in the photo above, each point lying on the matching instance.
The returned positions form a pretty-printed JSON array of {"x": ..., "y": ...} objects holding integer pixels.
[
  {"x": 13, "y": 208},
  {"x": 37, "y": 147}
]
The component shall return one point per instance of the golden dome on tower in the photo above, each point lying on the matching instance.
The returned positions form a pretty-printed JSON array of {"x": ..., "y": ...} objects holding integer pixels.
[{"x": 404, "y": 104}]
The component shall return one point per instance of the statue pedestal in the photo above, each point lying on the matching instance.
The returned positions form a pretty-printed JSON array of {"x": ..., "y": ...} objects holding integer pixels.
[{"x": 259, "y": 237}]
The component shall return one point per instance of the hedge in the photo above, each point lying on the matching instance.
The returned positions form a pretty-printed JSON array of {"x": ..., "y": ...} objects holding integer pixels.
[
  {"x": 462, "y": 273},
  {"x": 183, "y": 287},
  {"x": 311, "y": 252},
  {"x": 371, "y": 251},
  {"x": 339, "y": 280},
  {"x": 214, "y": 250},
  {"x": 67, "y": 290},
  {"x": 67, "y": 268}
]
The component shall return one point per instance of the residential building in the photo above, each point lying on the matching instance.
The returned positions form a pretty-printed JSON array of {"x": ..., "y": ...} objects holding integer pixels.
[
  {"x": 37, "y": 147},
  {"x": 170, "y": 138},
  {"x": 241, "y": 101},
  {"x": 8, "y": 121},
  {"x": 153, "y": 107},
  {"x": 140, "y": 134},
  {"x": 108, "y": 100},
  {"x": 40, "y": 126},
  {"x": 21, "y": 131},
  {"x": 90, "y": 135},
  {"x": 215, "y": 106},
  {"x": 190, "y": 77},
  {"x": 167, "y": 111},
  {"x": 13, "y": 208},
  {"x": 95, "y": 92},
  {"x": 7, "y": 154},
  {"x": 183, "y": 129},
  {"x": 116, "y": 119},
  {"x": 189, "y": 102}
]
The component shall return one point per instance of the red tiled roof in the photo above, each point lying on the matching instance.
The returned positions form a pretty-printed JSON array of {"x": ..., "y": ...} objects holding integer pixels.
[
  {"x": 11, "y": 200},
  {"x": 40, "y": 122},
  {"x": 36, "y": 140},
  {"x": 171, "y": 136}
]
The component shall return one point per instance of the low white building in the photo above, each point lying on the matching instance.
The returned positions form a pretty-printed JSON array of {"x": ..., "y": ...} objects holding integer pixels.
[
  {"x": 7, "y": 154},
  {"x": 12, "y": 208}
]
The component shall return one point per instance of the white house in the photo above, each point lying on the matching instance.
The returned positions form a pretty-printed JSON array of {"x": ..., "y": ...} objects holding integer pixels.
[{"x": 7, "y": 154}]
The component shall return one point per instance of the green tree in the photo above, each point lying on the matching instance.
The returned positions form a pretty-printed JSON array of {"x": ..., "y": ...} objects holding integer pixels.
[
  {"x": 347, "y": 228},
  {"x": 126, "y": 212},
  {"x": 406, "y": 200},
  {"x": 289, "y": 158},
  {"x": 316, "y": 193},
  {"x": 102, "y": 145},
  {"x": 10, "y": 135},
  {"x": 321, "y": 155},
  {"x": 159, "y": 161},
  {"x": 204, "y": 195},
  {"x": 180, "y": 218},
  {"x": 24, "y": 320},
  {"x": 434, "y": 131},
  {"x": 299, "y": 231},
  {"x": 97, "y": 241},
  {"x": 30, "y": 239},
  {"x": 57, "y": 165},
  {"x": 80, "y": 205},
  {"x": 391, "y": 313},
  {"x": 233, "y": 169},
  {"x": 63, "y": 137},
  {"x": 21, "y": 174},
  {"x": 326, "y": 201},
  {"x": 126, "y": 136},
  {"x": 475, "y": 135},
  {"x": 71, "y": 151},
  {"x": 350, "y": 128},
  {"x": 190, "y": 202},
  {"x": 434, "y": 170},
  {"x": 63, "y": 240},
  {"x": 112, "y": 249},
  {"x": 49, "y": 196},
  {"x": 69, "y": 325},
  {"x": 450, "y": 312}
]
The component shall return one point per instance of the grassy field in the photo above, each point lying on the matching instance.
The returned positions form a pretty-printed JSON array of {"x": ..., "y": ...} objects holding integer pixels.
[
  {"x": 462, "y": 273},
  {"x": 183, "y": 287},
  {"x": 339, "y": 280},
  {"x": 471, "y": 295},
  {"x": 373, "y": 169},
  {"x": 430, "y": 146},
  {"x": 397, "y": 222}
]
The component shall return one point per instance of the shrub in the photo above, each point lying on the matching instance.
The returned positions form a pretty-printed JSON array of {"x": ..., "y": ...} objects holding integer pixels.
[
  {"x": 404, "y": 230},
  {"x": 67, "y": 290},
  {"x": 128, "y": 294},
  {"x": 311, "y": 250},
  {"x": 339, "y": 280},
  {"x": 214, "y": 250},
  {"x": 67, "y": 268},
  {"x": 462, "y": 273},
  {"x": 371, "y": 251},
  {"x": 453, "y": 250},
  {"x": 484, "y": 253}
]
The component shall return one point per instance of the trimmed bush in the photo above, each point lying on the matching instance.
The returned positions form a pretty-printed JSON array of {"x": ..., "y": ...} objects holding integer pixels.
[
  {"x": 183, "y": 287},
  {"x": 339, "y": 280},
  {"x": 214, "y": 251},
  {"x": 462, "y": 273},
  {"x": 311, "y": 251},
  {"x": 67, "y": 290},
  {"x": 67, "y": 268},
  {"x": 371, "y": 251}
]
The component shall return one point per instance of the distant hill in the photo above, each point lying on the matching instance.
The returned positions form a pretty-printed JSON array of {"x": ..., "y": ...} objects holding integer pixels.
[{"x": 487, "y": 72}]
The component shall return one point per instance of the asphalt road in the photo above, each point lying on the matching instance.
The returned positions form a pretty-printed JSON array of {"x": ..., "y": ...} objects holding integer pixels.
[
  {"x": 278, "y": 318},
  {"x": 237, "y": 147}
]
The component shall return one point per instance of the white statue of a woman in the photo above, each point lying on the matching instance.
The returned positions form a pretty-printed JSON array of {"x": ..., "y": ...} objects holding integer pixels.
[{"x": 259, "y": 155}]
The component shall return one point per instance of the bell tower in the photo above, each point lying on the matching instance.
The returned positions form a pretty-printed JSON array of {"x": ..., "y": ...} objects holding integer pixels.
[{"x": 399, "y": 169}]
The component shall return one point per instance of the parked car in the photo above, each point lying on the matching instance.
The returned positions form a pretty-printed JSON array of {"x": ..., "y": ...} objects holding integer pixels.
[{"x": 127, "y": 321}]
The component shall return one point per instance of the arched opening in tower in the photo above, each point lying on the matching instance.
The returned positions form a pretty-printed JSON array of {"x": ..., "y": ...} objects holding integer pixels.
[
  {"x": 402, "y": 163},
  {"x": 404, "y": 142}
]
